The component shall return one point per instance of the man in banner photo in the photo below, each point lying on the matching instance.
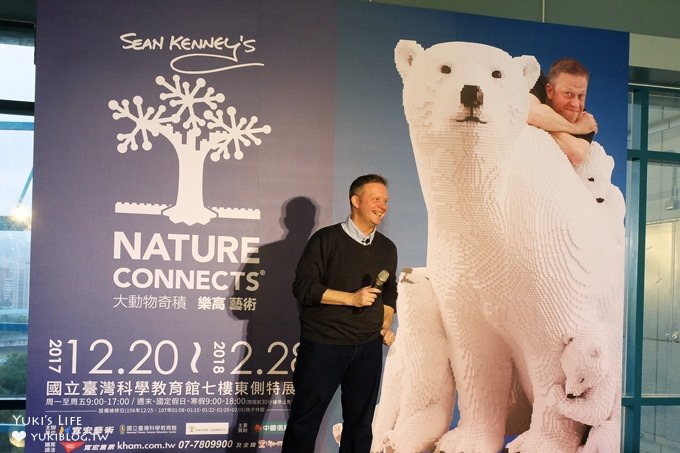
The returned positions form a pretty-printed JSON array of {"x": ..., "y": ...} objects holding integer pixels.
[{"x": 557, "y": 105}]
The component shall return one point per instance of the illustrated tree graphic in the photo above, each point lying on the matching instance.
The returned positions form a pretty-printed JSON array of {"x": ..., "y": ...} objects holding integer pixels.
[{"x": 190, "y": 120}]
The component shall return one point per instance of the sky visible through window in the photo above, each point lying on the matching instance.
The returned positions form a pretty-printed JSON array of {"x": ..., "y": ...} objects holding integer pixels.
[
  {"x": 17, "y": 83},
  {"x": 17, "y": 73}
]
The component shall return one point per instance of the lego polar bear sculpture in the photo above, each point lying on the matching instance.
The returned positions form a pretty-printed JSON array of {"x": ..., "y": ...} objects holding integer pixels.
[
  {"x": 417, "y": 381},
  {"x": 518, "y": 251}
]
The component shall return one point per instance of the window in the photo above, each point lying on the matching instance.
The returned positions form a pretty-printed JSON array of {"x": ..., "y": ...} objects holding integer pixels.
[
  {"x": 652, "y": 383},
  {"x": 16, "y": 175}
]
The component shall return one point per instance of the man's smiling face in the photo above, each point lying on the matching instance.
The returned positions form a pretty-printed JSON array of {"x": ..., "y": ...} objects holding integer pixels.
[
  {"x": 369, "y": 206},
  {"x": 567, "y": 95}
]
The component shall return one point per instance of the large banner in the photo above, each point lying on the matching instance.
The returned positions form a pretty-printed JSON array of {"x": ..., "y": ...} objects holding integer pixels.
[{"x": 184, "y": 153}]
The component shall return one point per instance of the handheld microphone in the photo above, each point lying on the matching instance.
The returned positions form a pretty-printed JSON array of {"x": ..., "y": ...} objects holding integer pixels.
[{"x": 380, "y": 280}]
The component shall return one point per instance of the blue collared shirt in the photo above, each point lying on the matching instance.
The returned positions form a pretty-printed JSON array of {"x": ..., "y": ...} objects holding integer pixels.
[{"x": 354, "y": 232}]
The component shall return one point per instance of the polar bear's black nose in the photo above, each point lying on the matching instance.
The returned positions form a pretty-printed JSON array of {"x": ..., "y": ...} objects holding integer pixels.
[{"x": 471, "y": 96}]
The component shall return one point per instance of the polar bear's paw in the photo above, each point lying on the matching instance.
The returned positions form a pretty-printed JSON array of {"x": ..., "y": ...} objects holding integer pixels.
[
  {"x": 396, "y": 441},
  {"x": 391, "y": 442},
  {"x": 535, "y": 441},
  {"x": 466, "y": 439},
  {"x": 604, "y": 438}
]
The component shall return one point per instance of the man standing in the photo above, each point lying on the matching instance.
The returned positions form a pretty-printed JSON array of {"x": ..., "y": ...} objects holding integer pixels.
[
  {"x": 344, "y": 320},
  {"x": 557, "y": 105}
]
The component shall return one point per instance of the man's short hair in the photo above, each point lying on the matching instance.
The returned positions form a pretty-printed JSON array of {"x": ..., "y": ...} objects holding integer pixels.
[
  {"x": 358, "y": 183},
  {"x": 570, "y": 66}
]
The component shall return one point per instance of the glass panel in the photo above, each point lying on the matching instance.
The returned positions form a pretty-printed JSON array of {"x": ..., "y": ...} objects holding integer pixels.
[
  {"x": 15, "y": 247},
  {"x": 16, "y": 171},
  {"x": 661, "y": 373},
  {"x": 664, "y": 122},
  {"x": 12, "y": 426},
  {"x": 633, "y": 120},
  {"x": 659, "y": 430},
  {"x": 661, "y": 336},
  {"x": 17, "y": 84},
  {"x": 663, "y": 194},
  {"x": 16, "y": 155}
]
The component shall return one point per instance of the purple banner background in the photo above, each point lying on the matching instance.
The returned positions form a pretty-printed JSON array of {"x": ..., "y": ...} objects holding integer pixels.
[{"x": 110, "y": 352}]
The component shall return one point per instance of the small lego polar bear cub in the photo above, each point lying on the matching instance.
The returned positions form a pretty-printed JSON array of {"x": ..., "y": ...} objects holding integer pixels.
[
  {"x": 595, "y": 173},
  {"x": 418, "y": 390},
  {"x": 590, "y": 391}
]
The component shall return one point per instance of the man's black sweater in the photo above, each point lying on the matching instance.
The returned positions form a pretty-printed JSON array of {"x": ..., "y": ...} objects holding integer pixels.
[{"x": 333, "y": 260}]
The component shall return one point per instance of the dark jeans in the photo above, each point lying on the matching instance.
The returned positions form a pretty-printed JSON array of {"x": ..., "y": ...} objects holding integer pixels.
[{"x": 320, "y": 369}]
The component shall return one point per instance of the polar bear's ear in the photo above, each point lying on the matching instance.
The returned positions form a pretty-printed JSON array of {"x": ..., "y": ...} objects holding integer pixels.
[
  {"x": 405, "y": 54},
  {"x": 530, "y": 68},
  {"x": 608, "y": 164}
]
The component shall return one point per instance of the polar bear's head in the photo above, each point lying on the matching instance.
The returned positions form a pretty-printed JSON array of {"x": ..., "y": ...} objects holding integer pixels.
[
  {"x": 417, "y": 301},
  {"x": 585, "y": 361},
  {"x": 455, "y": 85},
  {"x": 596, "y": 173}
]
